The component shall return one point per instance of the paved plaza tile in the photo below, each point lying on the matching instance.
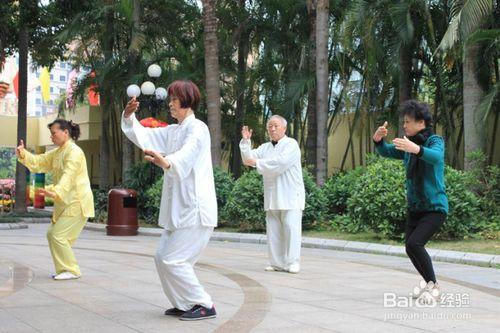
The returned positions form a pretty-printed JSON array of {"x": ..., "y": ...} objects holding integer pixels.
[{"x": 336, "y": 291}]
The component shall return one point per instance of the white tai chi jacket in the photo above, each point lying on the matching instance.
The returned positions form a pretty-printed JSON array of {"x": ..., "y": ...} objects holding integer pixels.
[
  {"x": 188, "y": 195},
  {"x": 281, "y": 170}
]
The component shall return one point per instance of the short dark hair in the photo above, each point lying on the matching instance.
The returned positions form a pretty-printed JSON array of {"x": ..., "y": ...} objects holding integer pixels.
[
  {"x": 417, "y": 111},
  {"x": 187, "y": 92},
  {"x": 73, "y": 129}
]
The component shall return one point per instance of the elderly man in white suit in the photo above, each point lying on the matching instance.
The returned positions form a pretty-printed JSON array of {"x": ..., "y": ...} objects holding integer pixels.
[
  {"x": 188, "y": 210},
  {"x": 279, "y": 163}
]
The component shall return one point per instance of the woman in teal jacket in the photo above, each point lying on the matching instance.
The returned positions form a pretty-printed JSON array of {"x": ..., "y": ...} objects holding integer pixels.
[{"x": 423, "y": 154}]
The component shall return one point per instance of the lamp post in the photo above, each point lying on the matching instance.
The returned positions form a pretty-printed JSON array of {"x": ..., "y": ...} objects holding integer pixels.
[{"x": 152, "y": 97}]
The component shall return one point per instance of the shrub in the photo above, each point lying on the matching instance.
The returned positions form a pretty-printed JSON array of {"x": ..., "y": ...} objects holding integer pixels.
[
  {"x": 245, "y": 207},
  {"x": 224, "y": 184},
  {"x": 100, "y": 205},
  {"x": 141, "y": 177},
  {"x": 378, "y": 203},
  {"x": 378, "y": 200},
  {"x": 464, "y": 218},
  {"x": 337, "y": 189},
  {"x": 484, "y": 181},
  {"x": 152, "y": 200},
  {"x": 315, "y": 203}
]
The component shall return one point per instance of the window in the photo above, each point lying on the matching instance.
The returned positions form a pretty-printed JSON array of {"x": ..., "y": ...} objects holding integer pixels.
[
  {"x": 38, "y": 101},
  {"x": 51, "y": 77},
  {"x": 38, "y": 88},
  {"x": 62, "y": 78},
  {"x": 63, "y": 65},
  {"x": 51, "y": 89}
]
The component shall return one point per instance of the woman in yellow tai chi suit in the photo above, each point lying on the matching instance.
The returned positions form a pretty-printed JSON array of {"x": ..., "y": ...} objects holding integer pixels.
[{"x": 73, "y": 199}]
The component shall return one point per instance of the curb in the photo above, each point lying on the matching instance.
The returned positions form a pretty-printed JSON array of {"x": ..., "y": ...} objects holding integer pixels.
[
  {"x": 35, "y": 220},
  {"x": 456, "y": 257},
  {"x": 13, "y": 226}
]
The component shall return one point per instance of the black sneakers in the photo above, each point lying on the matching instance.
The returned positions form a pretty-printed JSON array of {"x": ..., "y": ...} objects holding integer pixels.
[
  {"x": 174, "y": 312},
  {"x": 199, "y": 312}
]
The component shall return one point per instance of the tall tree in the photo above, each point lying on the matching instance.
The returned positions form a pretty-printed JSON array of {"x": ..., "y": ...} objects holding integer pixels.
[
  {"x": 466, "y": 18},
  {"x": 24, "y": 13},
  {"x": 322, "y": 86},
  {"x": 134, "y": 62},
  {"x": 212, "y": 77},
  {"x": 312, "y": 127}
]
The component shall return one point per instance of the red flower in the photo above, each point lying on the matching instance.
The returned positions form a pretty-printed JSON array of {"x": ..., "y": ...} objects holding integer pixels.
[{"x": 152, "y": 122}]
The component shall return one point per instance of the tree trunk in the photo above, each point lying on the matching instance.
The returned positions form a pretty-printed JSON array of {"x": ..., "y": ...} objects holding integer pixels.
[
  {"x": 21, "y": 171},
  {"x": 106, "y": 107},
  {"x": 312, "y": 127},
  {"x": 473, "y": 94},
  {"x": 322, "y": 12},
  {"x": 405, "y": 64},
  {"x": 128, "y": 151},
  {"x": 243, "y": 49},
  {"x": 212, "y": 78}
]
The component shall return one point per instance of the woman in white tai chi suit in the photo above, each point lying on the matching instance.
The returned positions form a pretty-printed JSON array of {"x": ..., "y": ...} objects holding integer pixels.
[
  {"x": 188, "y": 209},
  {"x": 279, "y": 163}
]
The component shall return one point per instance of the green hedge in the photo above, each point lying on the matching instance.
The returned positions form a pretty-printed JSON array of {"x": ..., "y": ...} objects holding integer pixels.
[
  {"x": 245, "y": 207},
  {"x": 224, "y": 184},
  {"x": 370, "y": 198},
  {"x": 375, "y": 201}
]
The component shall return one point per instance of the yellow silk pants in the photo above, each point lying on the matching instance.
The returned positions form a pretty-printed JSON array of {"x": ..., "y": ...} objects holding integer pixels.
[{"x": 61, "y": 234}]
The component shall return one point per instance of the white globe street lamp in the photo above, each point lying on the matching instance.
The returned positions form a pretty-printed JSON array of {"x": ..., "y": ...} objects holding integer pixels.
[
  {"x": 154, "y": 70},
  {"x": 152, "y": 98},
  {"x": 133, "y": 90},
  {"x": 161, "y": 93},
  {"x": 148, "y": 88}
]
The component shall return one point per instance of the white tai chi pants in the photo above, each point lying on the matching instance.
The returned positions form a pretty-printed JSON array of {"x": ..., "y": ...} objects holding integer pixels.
[
  {"x": 175, "y": 259},
  {"x": 284, "y": 237}
]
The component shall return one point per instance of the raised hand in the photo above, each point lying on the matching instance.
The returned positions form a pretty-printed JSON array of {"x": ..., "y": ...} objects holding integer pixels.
[
  {"x": 44, "y": 192},
  {"x": 19, "y": 149},
  {"x": 156, "y": 158},
  {"x": 250, "y": 162},
  {"x": 381, "y": 132},
  {"x": 131, "y": 107},
  {"x": 406, "y": 145},
  {"x": 246, "y": 133}
]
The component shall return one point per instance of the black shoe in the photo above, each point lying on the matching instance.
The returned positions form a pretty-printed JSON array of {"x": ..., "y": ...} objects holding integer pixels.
[
  {"x": 199, "y": 312},
  {"x": 174, "y": 312}
]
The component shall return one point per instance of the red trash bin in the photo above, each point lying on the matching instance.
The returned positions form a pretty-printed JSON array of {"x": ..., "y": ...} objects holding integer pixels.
[{"x": 122, "y": 213}]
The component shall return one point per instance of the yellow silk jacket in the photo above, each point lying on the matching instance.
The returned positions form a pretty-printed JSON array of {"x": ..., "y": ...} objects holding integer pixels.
[{"x": 72, "y": 185}]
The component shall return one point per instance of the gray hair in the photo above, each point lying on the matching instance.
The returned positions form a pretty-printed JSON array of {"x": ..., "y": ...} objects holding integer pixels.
[{"x": 280, "y": 118}]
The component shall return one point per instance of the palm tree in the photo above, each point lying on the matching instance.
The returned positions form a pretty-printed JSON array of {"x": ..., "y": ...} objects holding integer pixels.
[
  {"x": 22, "y": 110},
  {"x": 212, "y": 78},
  {"x": 466, "y": 18},
  {"x": 322, "y": 86},
  {"x": 134, "y": 62},
  {"x": 312, "y": 127}
]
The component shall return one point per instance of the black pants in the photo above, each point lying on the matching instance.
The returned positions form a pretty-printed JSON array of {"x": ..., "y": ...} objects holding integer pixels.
[{"x": 420, "y": 227}]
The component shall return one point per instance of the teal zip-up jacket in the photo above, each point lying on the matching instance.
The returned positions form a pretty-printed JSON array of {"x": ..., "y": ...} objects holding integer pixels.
[{"x": 434, "y": 197}]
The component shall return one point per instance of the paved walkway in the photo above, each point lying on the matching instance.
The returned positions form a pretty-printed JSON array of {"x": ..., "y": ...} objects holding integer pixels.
[{"x": 335, "y": 292}]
